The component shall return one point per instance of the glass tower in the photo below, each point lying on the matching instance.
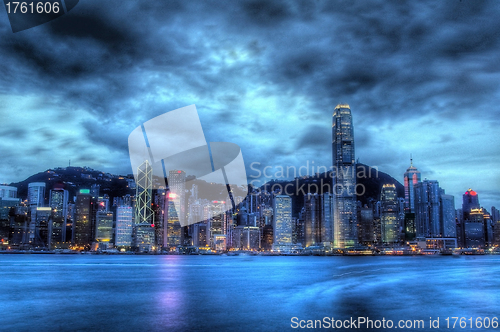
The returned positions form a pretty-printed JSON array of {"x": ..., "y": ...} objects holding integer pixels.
[
  {"x": 344, "y": 178},
  {"x": 411, "y": 178},
  {"x": 282, "y": 221}
]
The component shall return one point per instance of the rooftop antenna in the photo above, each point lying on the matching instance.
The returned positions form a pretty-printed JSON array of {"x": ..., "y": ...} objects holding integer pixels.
[{"x": 411, "y": 160}]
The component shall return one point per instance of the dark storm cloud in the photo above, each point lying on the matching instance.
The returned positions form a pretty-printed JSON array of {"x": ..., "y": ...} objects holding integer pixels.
[{"x": 264, "y": 74}]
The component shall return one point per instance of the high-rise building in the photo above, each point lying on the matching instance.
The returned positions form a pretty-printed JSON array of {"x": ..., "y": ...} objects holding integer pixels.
[
  {"x": 177, "y": 186},
  {"x": 389, "y": 214},
  {"x": 366, "y": 234},
  {"x": 36, "y": 199},
  {"x": 144, "y": 231},
  {"x": 282, "y": 222},
  {"x": 8, "y": 202},
  {"x": 327, "y": 218},
  {"x": 427, "y": 219},
  {"x": 82, "y": 226},
  {"x": 447, "y": 215},
  {"x": 58, "y": 202},
  {"x": 124, "y": 228},
  {"x": 411, "y": 178},
  {"x": 312, "y": 220},
  {"x": 470, "y": 201},
  {"x": 104, "y": 228},
  {"x": 344, "y": 179}
]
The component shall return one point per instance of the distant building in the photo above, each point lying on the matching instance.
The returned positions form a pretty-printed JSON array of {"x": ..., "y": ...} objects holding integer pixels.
[
  {"x": 58, "y": 202},
  {"x": 82, "y": 226},
  {"x": 344, "y": 179},
  {"x": 389, "y": 214},
  {"x": 411, "y": 178},
  {"x": 427, "y": 209},
  {"x": 447, "y": 215},
  {"x": 124, "y": 226},
  {"x": 282, "y": 221}
]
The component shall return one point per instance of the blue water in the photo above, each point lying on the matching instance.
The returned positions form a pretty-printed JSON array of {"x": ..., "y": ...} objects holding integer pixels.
[{"x": 220, "y": 293}]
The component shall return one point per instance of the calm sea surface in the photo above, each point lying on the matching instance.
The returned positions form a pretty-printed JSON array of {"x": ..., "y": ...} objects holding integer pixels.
[{"x": 220, "y": 293}]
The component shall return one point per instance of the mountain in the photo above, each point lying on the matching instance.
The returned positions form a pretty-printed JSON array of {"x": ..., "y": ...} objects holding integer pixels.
[{"x": 369, "y": 185}]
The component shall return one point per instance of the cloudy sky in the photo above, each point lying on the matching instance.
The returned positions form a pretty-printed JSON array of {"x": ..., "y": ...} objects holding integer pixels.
[{"x": 421, "y": 78}]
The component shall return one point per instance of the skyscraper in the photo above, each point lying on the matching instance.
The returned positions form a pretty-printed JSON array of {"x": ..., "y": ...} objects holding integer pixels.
[
  {"x": 344, "y": 178},
  {"x": 124, "y": 227},
  {"x": 427, "y": 197},
  {"x": 282, "y": 222},
  {"x": 144, "y": 233},
  {"x": 411, "y": 178},
  {"x": 58, "y": 202},
  {"x": 82, "y": 224},
  {"x": 389, "y": 214},
  {"x": 470, "y": 201}
]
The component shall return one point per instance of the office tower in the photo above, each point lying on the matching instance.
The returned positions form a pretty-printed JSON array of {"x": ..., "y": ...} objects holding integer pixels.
[
  {"x": 177, "y": 186},
  {"x": 8, "y": 201},
  {"x": 282, "y": 222},
  {"x": 344, "y": 179},
  {"x": 327, "y": 218},
  {"x": 124, "y": 227},
  {"x": 144, "y": 232},
  {"x": 366, "y": 233},
  {"x": 447, "y": 215},
  {"x": 427, "y": 219},
  {"x": 36, "y": 199},
  {"x": 312, "y": 216},
  {"x": 172, "y": 233},
  {"x": 389, "y": 214},
  {"x": 58, "y": 202},
  {"x": 470, "y": 201},
  {"x": 82, "y": 227},
  {"x": 248, "y": 238},
  {"x": 104, "y": 228},
  {"x": 475, "y": 235},
  {"x": 36, "y": 194},
  {"x": 411, "y": 178}
]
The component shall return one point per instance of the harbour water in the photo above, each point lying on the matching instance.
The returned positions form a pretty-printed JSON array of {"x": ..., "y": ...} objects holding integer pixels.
[{"x": 221, "y": 293}]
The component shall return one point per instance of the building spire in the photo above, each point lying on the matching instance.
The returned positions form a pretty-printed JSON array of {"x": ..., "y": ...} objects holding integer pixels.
[{"x": 411, "y": 160}]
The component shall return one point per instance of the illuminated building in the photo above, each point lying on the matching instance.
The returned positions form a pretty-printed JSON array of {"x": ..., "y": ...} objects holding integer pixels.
[
  {"x": 470, "y": 201},
  {"x": 104, "y": 228},
  {"x": 8, "y": 201},
  {"x": 366, "y": 232},
  {"x": 58, "y": 202},
  {"x": 326, "y": 218},
  {"x": 282, "y": 221},
  {"x": 427, "y": 219},
  {"x": 447, "y": 215},
  {"x": 123, "y": 231},
  {"x": 344, "y": 179},
  {"x": 173, "y": 229},
  {"x": 82, "y": 227},
  {"x": 246, "y": 238},
  {"x": 475, "y": 236},
  {"x": 411, "y": 178},
  {"x": 144, "y": 233},
  {"x": 36, "y": 199},
  {"x": 177, "y": 186},
  {"x": 312, "y": 216},
  {"x": 389, "y": 220}
]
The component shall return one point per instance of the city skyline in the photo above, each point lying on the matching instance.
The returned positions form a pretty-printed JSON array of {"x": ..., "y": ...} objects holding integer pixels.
[{"x": 412, "y": 73}]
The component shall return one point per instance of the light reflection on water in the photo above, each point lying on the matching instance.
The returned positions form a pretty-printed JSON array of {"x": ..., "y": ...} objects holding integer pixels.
[{"x": 188, "y": 293}]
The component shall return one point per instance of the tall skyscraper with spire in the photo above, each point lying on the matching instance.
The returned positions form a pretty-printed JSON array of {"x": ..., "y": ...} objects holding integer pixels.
[
  {"x": 344, "y": 178},
  {"x": 411, "y": 178}
]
